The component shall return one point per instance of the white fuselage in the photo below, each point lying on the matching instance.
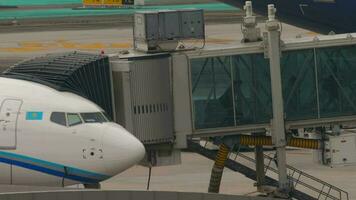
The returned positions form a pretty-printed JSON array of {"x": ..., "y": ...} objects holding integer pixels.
[{"x": 37, "y": 150}]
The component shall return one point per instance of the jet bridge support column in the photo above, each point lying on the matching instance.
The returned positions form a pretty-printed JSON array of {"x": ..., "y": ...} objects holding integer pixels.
[
  {"x": 278, "y": 129},
  {"x": 260, "y": 166}
]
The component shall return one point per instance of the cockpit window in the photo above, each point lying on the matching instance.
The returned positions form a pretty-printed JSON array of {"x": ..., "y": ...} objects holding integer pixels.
[
  {"x": 58, "y": 118},
  {"x": 108, "y": 118},
  {"x": 96, "y": 117},
  {"x": 73, "y": 119}
]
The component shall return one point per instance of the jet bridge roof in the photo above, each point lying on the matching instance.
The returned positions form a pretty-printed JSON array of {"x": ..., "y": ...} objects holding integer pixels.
[{"x": 84, "y": 74}]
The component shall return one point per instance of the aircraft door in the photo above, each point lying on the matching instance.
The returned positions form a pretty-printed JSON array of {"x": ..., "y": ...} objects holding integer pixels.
[{"x": 9, "y": 112}]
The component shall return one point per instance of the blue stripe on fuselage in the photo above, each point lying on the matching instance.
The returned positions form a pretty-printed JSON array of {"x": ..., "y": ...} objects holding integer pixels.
[{"x": 51, "y": 168}]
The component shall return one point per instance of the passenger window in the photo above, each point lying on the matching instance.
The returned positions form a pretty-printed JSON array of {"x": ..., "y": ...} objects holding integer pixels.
[
  {"x": 73, "y": 119},
  {"x": 58, "y": 118}
]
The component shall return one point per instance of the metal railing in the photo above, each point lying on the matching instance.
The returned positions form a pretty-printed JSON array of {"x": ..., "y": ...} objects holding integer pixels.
[
  {"x": 298, "y": 178},
  {"x": 241, "y": 168}
]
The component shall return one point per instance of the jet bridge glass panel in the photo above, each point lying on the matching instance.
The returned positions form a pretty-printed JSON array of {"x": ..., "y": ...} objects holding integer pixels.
[
  {"x": 336, "y": 80},
  {"x": 299, "y": 84},
  {"x": 252, "y": 89},
  {"x": 229, "y": 91},
  {"x": 212, "y": 92}
]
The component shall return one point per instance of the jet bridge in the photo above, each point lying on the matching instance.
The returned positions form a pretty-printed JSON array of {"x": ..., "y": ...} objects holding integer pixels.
[
  {"x": 230, "y": 90},
  {"x": 220, "y": 91},
  {"x": 271, "y": 86}
]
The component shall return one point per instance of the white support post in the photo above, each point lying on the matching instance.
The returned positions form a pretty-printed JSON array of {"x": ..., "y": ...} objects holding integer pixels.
[{"x": 278, "y": 129}]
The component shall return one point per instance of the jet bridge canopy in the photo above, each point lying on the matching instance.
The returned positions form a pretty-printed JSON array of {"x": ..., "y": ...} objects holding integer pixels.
[
  {"x": 228, "y": 88},
  {"x": 87, "y": 75},
  {"x": 235, "y": 90}
]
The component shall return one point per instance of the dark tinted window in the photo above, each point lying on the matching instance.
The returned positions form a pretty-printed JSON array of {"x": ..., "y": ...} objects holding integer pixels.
[
  {"x": 93, "y": 117},
  {"x": 58, "y": 118},
  {"x": 108, "y": 118},
  {"x": 73, "y": 119}
]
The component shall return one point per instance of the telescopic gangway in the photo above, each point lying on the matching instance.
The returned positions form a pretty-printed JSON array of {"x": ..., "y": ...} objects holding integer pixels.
[
  {"x": 265, "y": 85},
  {"x": 260, "y": 86}
]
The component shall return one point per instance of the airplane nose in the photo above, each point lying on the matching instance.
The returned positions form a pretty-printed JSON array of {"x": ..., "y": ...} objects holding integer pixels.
[{"x": 121, "y": 149}]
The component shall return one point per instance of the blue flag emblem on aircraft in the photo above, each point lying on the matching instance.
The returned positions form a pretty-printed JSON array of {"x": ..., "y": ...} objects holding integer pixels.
[{"x": 34, "y": 115}]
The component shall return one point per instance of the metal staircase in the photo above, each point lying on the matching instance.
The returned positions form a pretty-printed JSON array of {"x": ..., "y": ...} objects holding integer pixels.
[
  {"x": 302, "y": 181},
  {"x": 305, "y": 186}
]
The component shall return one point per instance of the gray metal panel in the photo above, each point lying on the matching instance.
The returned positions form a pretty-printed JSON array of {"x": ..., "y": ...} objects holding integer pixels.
[
  {"x": 139, "y": 26},
  {"x": 169, "y": 25},
  {"x": 122, "y": 95},
  {"x": 143, "y": 98},
  {"x": 146, "y": 25},
  {"x": 157, "y": 31},
  {"x": 182, "y": 100},
  {"x": 192, "y": 24},
  {"x": 151, "y": 24},
  {"x": 152, "y": 100}
]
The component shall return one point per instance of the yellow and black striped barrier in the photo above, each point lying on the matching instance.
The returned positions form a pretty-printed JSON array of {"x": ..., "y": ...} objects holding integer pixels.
[
  {"x": 267, "y": 141},
  {"x": 218, "y": 169}
]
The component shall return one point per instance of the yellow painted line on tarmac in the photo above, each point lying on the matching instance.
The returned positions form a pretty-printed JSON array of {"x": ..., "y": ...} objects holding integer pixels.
[
  {"x": 30, "y": 46},
  {"x": 92, "y": 46},
  {"x": 37, "y": 46},
  {"x": 219, "y": 41},
  {"x": 121, "y": 45},
  {"x": 65, "y": 44}
]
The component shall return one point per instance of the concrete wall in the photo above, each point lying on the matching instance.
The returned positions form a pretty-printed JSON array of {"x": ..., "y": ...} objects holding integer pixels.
[{"x": 121, "y": 195}]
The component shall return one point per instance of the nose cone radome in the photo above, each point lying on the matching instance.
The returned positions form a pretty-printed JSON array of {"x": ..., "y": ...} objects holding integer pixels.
[{"x": 121, "y": 149}]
